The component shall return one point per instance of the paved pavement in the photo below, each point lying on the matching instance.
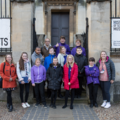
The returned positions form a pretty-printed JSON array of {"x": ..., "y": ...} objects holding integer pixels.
[{"x": 80, "y": 112}]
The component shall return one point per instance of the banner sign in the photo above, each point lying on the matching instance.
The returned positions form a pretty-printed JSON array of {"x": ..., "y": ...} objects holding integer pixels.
[
  {"x": 4, "y": 33},
  {"x": 115, "y": 33}
]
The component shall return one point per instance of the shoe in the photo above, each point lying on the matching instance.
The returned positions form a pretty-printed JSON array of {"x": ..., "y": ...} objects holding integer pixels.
[
  {"x": 8, "y": 106},
  {"x": 96, "y": 105},
  {"x": 36, "y": 105},
  {"x": 54, "y": 106},
  {"x": 78, "y": 96},
  {"x": 48, "y": 96},
  {"x": 60, "y": 96},
  {"x": 10, "y": 109},
  {"x": 45, "y": 106},
  {"x": 108, "y": 105},
  {"x": 51, "y": 105},
  {"x": 27, "y": 104},
  {"x": 103, "y": 104},
  {"x": 91, "y": 105},
  {"x": 24, "y": 105},
  {"x": 64, "y": 106},
  {"x": 71, "y": 107}
]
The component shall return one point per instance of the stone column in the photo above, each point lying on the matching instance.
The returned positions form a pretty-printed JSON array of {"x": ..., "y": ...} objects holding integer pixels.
[
  {"x": 98, "y": 14},
  {"x": 22, "y": 20}
]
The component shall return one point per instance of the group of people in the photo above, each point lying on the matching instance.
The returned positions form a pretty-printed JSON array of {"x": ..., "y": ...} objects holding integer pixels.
[{"x": 57, "y": 66}]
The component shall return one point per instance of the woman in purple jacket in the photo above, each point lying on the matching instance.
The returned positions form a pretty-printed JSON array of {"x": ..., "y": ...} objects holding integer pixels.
[
  {"x": 92, "y": 73},
  {"x": 38, "y": 75}
]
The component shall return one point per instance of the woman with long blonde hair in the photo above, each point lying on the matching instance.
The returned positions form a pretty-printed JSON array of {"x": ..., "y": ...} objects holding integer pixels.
[
  {"x": 8, "y": 74},
  {"x": 70, "y": 79}
]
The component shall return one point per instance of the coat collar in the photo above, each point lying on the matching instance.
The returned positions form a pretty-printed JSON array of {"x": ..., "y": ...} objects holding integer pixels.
[{"x": 106, "y": 59}]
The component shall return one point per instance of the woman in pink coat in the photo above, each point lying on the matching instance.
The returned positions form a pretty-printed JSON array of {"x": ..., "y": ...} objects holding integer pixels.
[{"x": 70, "y": 79}]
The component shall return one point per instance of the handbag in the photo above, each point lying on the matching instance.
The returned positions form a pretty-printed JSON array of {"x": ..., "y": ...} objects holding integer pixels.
[{"x": 1, "y": 79}]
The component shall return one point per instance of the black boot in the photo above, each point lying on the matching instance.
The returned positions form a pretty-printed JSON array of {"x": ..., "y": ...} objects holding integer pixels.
[
  {"x": 8, "y": 106},
  {"x": 10, "y": 109},
  {"x": 64, "y": 106},
  {"x": 71, "y": 106}
]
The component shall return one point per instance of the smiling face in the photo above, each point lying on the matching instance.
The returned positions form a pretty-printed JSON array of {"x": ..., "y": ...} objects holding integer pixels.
[
  {"x": 38, "y": 51},
  {"x": 47, "y": 42},
  {"x": 78, "y": 43},
  {"x": 55, "y": 61},
  {"x": 91, "y": 63},
  {"x": 37, "y": 63},
  {"x": 51, "y": 51},
  {"x": 24, "y": 57},
  {"x": 63, "y": 50},
  {"x": 103, "y": 55},
  {"x": 79, "y": 51},
  {"x": 9, "y": 58},
  {"x": 70, "y": 60},
  {"x": 62, "y": 40}
]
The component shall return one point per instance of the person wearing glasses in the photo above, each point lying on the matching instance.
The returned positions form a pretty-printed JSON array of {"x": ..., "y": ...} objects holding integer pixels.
[{"x": 45, "y": 48}]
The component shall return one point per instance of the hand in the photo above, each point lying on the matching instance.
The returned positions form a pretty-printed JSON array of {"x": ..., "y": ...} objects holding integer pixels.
[
  {"x": 57, "y": 45},
  {"x": 69, "y": 83},
  {"x": 63, "y": 80},
  {"x": 10, "y": 79},
  {"x": 22, "y": 82},
  {"x": 33, "y": 85},
  {"x": 29, "y": 80},
  {"x": 90, "y": 75},
  {"x": 112, "y": 81},
  {"x": 80, "y": 72}
]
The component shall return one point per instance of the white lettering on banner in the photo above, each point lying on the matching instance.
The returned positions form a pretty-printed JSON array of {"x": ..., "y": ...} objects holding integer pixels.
[
  {"x": 4, "y": 33},
  {"x": 115, "y": 33}
]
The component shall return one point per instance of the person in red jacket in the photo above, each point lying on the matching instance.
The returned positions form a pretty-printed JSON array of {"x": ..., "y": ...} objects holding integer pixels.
[
  {"x": 9, "y": 79},
  {"x": 70, "y": 79}
]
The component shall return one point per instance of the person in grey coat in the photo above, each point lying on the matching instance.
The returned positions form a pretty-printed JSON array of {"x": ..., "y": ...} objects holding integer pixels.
[
  {"x": 107, "y": 77},
  {"x": 37, "y": 54}
]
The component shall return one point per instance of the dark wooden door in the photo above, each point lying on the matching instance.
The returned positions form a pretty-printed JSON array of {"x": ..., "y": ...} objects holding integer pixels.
[{"x": 59, "y": 27}]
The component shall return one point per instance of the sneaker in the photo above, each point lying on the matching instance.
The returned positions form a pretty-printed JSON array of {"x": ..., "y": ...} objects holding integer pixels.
[
  {"x": 27, "y": 104},
  {"x": 108, "y": 105},
  {"x": 36, "y": 105},
  {"x": 24, "y": 105},
  {"x": 45, "y": 106},
  {"x": 103, "y": 104}
]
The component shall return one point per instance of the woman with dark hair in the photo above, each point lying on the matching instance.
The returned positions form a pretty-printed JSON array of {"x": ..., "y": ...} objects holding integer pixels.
[
  {"x": 8, "y": 73},
  {"x": 107, "y": 77},
  {"x": 24, "y": 76}
]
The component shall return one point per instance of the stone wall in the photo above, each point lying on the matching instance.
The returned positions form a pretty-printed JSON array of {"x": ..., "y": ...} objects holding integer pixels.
[
  {"x": 98, "y": 14},
  {"x": 21, "y": 37}
]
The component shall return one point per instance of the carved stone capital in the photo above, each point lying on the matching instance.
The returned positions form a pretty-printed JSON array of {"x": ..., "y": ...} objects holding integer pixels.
[
  {"x": 22, "y": 0},
  {"x": 88, "y": 1}
]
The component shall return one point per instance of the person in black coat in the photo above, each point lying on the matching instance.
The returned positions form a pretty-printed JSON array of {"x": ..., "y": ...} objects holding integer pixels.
[
  {"x": 54, "y": 76},
  {"x": 81, "y": 62}
]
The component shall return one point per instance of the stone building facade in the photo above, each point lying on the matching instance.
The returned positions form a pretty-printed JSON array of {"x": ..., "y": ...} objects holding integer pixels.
[{"x": 88, "y": 20}]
